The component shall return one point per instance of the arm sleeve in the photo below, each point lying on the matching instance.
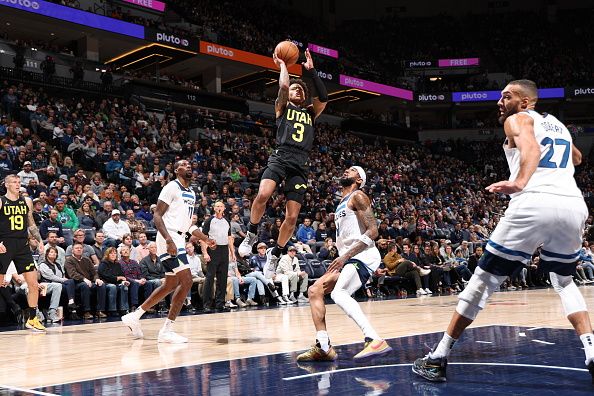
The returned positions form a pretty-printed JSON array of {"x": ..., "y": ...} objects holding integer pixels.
[{"x": 320, "y": 87}]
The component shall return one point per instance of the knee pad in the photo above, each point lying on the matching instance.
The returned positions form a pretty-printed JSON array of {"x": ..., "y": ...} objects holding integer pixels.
[
  {"x": 474, "y": 297},
  {"x": 571, "y": 298}
]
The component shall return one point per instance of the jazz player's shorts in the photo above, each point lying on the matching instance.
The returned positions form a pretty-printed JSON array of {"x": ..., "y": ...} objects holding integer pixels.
[
  {"x": 290, "y": 165},
  {"x": 172, "y": 265},
  {"x": 533, "y": 219},
  {"x": 19, "y": 252}
]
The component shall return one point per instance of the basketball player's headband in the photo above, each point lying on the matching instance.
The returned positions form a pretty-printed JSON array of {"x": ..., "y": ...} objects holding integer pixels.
[{"x": 362, "y": 175}]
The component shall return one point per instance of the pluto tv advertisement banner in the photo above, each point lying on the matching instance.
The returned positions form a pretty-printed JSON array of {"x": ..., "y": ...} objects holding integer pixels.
[
  {"x": 370, "y": 86},
  {"x": 76, "y": 16},
  {"x": 482, "y": 96}
]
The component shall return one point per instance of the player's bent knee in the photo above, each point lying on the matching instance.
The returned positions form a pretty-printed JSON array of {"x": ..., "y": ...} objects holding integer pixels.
[
  {"x": 474, "y": 297},
  {"x": 571, "y": 297}
]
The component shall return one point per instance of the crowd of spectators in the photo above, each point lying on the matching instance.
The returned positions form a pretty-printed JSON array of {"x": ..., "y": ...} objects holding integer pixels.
[{"x": 95, "y": 166}]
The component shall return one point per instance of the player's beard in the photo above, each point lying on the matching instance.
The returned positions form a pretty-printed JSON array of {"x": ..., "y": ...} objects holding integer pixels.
[
  {"x": 506, "y": 113},
  {"x": 347, "y": 181}
]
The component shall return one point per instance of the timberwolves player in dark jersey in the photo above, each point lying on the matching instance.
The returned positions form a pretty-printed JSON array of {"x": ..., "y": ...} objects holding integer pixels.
[
  {"x": 16, "y": 223},
  {"x": 294, "y": 138}
]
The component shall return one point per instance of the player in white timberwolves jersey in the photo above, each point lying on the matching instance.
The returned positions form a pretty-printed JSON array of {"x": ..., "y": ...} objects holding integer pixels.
[
  {"x": 173, "y": 219},
  {"x": 356, "y": 228},
  {"x": 546, "y": 209}
]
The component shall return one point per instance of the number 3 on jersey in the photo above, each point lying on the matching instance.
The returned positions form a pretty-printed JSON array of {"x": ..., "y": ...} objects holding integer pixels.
[
  {"x": 17, "y": 223},
  {"x": 298, "y": 136},
  {"x": 546, "y": 162}
]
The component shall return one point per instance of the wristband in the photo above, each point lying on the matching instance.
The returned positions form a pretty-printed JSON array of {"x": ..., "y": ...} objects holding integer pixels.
[
  {"x": 192, "y": 229},
  {"x": 366, "y": 240}
]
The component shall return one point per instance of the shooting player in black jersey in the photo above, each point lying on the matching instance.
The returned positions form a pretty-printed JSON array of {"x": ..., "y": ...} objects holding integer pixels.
[
  {"x": 16, "y": 222},
  {"x": 294, "y": 138}
]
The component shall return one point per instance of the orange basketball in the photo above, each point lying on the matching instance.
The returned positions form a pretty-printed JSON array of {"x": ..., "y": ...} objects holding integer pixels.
[{"x": 288, "y": 52}]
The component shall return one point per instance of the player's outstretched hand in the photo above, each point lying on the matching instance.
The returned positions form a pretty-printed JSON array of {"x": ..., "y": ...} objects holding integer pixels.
[
  {"x": 2, "y": 248},
  {"x": 171, "y": 248},
  {"x": 277, "y": 61},
  {"x": 505, "y": 187},
  {"x": 337, "y": 264},
  {"x": 308, "y": 64}
]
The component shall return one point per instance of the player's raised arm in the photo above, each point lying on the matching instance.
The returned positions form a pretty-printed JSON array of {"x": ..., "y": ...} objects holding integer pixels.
[
  {"x": 283, "y": 89},
  {"x": 319, "y": 103},
  {"x": 519, "y": 129}
]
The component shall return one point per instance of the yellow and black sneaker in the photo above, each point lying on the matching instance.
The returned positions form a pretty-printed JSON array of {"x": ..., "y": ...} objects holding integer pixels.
[
  {"x": 317, "y": 354},
  {"x": 35, "y": 325},
  {"x": 373, "y": 348},
  {"x": 431, "y": 369}
]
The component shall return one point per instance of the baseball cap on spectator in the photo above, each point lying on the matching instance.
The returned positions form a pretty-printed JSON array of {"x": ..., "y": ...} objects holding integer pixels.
[
  {"x": 115, "y": 212},
  {"x": 292, "y": 248},
  {"x": 27, "y": 163},
  {"x": 65, "y": 177},
  {"x": 262, "y": 244},
  {"x": 59, "y": 200}
]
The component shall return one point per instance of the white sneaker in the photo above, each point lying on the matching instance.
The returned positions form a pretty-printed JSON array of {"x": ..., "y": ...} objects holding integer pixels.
[
  {"x": 424, "y": 271},
  {"x": 171, "y": 337},
  {"x": 288, "y": 300},
  {"x": 245, "y": 248},
  {"x": 133, "y": 323},
  {"x": 302, "y": 299},
  {"x": 281, "y": 300},
  {"x": 230, "y": 304},
  {"x": 421, "y": 292},
  {"x": 428, "y": 291}
]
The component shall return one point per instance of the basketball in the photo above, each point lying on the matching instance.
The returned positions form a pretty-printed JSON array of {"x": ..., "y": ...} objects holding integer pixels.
[{"x": 288, "y": 52}]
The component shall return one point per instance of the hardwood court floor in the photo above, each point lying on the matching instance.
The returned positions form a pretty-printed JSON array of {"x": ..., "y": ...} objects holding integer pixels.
[{"x": 74, "y": 353}]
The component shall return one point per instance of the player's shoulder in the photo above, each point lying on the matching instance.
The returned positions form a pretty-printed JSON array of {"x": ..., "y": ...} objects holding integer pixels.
[{"x": 359, "y": 200}]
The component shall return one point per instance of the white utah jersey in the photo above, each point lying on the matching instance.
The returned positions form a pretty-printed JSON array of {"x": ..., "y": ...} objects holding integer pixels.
[
  {"x": 554, "y": 174},
  {"x": 181, "y": 202},
  {"x": 348, "y": 231}
]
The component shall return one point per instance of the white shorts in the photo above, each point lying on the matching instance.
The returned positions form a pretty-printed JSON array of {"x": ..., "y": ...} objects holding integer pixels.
[
  {"x": 171, "y": 264},
  {"x": 533, "y": 219}
]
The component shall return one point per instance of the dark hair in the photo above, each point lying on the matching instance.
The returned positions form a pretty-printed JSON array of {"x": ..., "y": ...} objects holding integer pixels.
[
  {"x": 303, "y": 86},
  {"x": 49, "y": 249},
  {"x": 528, "y": 87}
]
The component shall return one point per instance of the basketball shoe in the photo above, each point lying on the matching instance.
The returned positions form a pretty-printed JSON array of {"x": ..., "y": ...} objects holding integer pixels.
[
  {"x": 133, "y": 322},
  {"x": 169, "y": 336},
  {"x": 373, "y": 348},
  {"x": 317, "y": 354},
  {"x": 34, "y": 324},
  {"x": 245, "y": 248},
  {"x": 431, "y": 369}
]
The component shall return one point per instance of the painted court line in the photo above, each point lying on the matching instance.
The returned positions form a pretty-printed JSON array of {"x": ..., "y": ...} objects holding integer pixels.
[
  {"x": 544, "y": 342},
  {"x": 457, "y": 364},
  {"x": 484, "y": 342},
  {"x": 25, "y": 390},
  {"x": 534, "y": 328}
]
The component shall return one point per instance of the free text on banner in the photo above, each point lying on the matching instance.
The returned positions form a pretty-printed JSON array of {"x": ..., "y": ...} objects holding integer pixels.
[
  {"x": 152, "y": 4},
  {"x": 243, "y": 56}
]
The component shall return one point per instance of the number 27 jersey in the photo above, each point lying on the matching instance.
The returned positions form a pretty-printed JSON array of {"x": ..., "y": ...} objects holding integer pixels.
[
  {"x": 181, "y": 201},
  {"x": 554, "y": 174},
  {"x": 295, "y": 128}
]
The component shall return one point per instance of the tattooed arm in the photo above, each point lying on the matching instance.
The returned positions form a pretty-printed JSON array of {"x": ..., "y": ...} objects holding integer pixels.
[
  {"x": 362, "y": 206},
  {"x": 33, "y": 230}
]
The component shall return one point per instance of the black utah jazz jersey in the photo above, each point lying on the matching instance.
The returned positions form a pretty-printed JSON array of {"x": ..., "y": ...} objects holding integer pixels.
[
  {"x": 13, "y": 218},
  {"x": 295, "y": 128}
]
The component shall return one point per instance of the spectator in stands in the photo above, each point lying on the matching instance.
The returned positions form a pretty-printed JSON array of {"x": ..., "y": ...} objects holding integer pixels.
[
  {"x": 329, "y": 250},
  {"x": 105, "y": 214},
  {"x": 53, "y": 241},
  {"x": 82, "y": 271},
  {"x": 115, "y": 229},
  {"x": 110, "y": 271},
  {"x": 142, "y": 250},
  {"x": 236, "y": 280},
  {"x": 464, "y": 250},
  {"x": 145, "y": 213},
  {"x": 27, "y": 174},
  {"x": 66, "y": 215},
  {"x": 152, "y": 270},
  {"x": 88, "y": 251},
  {"x": 258, "y": 263},
  {"x": 197, "y": 274},
  {"x": 98, "y": 245},
  {"x": 133, "y": 273},
  {"x": 288, "y": 266},
  {"x": 52, "y": 224},
  {"x": 237, "y": 229},
  {"x": 52, "y": 271},
  {"x": 86, "y": 217},
  {"x": 307, "y": 235},
  {"x": 395, "y": 265}
]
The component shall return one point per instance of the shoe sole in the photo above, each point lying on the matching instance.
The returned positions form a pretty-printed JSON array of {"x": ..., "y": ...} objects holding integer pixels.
[
  {"x": 36, "y": 330},
  {"x": 432, "y": 379},
  {"x": 136, "y": 335},
  {"x": 171, "y": 342},
  {"x": 373, "y": 354}
]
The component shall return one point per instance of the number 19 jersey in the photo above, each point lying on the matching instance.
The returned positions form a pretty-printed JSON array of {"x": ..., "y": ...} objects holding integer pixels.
[
  {"x": 13, "y": 218},
  {"x": 554, "y": 174},
  {"x": 295, "y": 128},
  {"x": 181, "y": 200}
]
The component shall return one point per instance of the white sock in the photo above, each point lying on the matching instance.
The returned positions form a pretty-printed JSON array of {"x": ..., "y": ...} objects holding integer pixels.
[
  {"x": 443, "y": 348},
  {"x": 324, "y": 340},
  {"x": 168, "y": 325},
  {"x": 588, "y": 341},
  {"x": 71, "y": 301},
  {"x": 138, "y": 313}
]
